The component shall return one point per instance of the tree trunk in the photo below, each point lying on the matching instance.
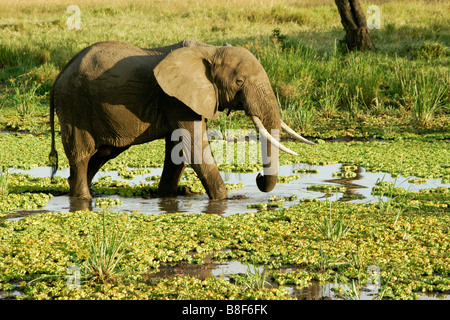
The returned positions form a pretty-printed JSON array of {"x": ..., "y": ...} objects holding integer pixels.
[{"x": 355, "y": 25}]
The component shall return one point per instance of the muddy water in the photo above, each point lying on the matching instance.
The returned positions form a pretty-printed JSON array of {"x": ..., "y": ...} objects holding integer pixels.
[{"x": 238, "y": 200}]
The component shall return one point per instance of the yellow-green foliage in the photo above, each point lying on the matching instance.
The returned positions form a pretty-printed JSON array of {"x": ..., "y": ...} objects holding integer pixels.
[
  {"x": 290, "y": 236},
  {"x": 399, "y": 93},
  {"x": 402, "y": 85}
]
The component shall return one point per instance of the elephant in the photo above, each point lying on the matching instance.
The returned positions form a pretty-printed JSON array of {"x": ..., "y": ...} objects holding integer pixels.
[{"x": 113, "y": 95}]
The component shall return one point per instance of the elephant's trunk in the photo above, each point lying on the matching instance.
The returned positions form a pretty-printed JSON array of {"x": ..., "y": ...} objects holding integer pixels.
[
  {"x": 262, "y": 106},
  {"x": 267, "y": 182},
  {"x": 269, "y": 146}
]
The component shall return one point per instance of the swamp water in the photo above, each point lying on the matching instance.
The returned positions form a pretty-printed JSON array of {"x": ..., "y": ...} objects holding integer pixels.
[
  {"x": 358, "y": 190},
  {"x": 316, "y": 291}
]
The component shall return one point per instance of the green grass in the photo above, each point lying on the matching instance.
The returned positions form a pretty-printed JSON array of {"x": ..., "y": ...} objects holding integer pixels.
[
  {"x": 105, "y": 251},
  {"x": 403, "y": 84}
]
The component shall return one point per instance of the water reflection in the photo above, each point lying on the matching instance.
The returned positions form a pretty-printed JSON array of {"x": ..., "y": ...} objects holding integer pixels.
[
  {"x": 315, "y": 291},
  {"x": 178, "y": 204},
  {"x": 353, "y": 189},
  {"x": 76, "y": 204}
]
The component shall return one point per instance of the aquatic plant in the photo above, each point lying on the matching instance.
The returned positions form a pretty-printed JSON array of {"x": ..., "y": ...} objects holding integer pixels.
[
  {"x": 349, "y": 167},
  {"x": 287, "y": 179},
  {"x": 254, "y": 278},
  {"x": 333, "y": 228},
  {"x": 107, "y": 202},
  {"x": 104, "y": 251},
  {"x": 273, "y": 202},
  {"x": 23, "y": 201},
  {"x": 344, "y": 174},
  {"x": 260, "y": 206},
  {"x": 417, "y": 181},
  {"x": 307, "y": 170},
  {"x": 327, "y": 188},
  {"x": 347, "y": 197}
]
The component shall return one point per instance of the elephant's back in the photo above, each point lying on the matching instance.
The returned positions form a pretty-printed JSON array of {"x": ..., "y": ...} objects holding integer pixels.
[
  {"x": 110, "y": 56},
  {"x": 108, "y": 71},
  {"x": 109, "y": 90}
]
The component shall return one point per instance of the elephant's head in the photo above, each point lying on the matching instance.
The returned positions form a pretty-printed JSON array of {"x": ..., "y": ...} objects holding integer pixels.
[{"x": 210, "y": 79}]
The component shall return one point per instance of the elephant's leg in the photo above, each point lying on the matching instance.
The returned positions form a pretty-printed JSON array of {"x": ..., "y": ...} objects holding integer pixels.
[
  {"x": 95, "y": 164},
  {"x": 193, "y": 128},
  {"x": 171, "y": 172},
  {"x": 202, "y": 160},
  {"x": 209, "y": 175},
  {"x": 100, "y": 158},
  {"x": 78, "y": 179}
]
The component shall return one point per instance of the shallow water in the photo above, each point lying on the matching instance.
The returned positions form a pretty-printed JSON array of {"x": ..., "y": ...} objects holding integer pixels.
[
  {"x": 362, "y": 184},
  {"x": 316, "y": 291},
  {"x": 238, "y": 200}
]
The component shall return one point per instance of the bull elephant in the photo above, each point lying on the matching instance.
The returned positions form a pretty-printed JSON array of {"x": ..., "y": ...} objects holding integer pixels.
[{"x": 113, "y": 95}]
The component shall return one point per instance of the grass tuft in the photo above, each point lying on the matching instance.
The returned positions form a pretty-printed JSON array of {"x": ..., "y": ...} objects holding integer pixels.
[{"x": 104, "y": 252}]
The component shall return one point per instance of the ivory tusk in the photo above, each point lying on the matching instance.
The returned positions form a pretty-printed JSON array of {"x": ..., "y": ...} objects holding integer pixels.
[
  {"x": 294, "y": 134},
  {"x": 263, "y": 131}
]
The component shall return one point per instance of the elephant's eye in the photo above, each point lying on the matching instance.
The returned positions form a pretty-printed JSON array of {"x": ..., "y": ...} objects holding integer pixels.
[{"x": 239, "y": 82}]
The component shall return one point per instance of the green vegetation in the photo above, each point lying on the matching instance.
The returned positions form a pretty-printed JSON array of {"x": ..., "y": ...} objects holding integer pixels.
[
  {"x": 104, "y": 252},
  {"x": 400, "y": 94},
  {"x": 333, "y": 228},
  {"x": 306, "y": 171},
  {"x": 271, "y": 238},
  {"x": 107, "y": 202},
  {"x": 324, "y": 92},
  {"x": 273, "y": 202},
  {"x": 327, "y": 188}
]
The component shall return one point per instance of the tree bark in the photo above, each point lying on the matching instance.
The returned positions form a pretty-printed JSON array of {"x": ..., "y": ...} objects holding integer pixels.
[{"x": 355, "y": 25}]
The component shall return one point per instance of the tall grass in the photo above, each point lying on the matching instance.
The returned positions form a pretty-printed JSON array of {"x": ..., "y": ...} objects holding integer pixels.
[
  {"x": 24, "y": 98},
  {"x": 429, "y": 97},
  {"x": 424, "y": 92},
  {"x": 255, "y": 279},
  {"x": 296, "y": 42},
  {"x": 333, "y": 228},
  {"x": 104, "y": 251},
  {"x": 330, "y": 99}
]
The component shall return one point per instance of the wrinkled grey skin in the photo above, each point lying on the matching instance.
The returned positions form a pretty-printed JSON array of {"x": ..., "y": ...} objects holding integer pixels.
[{"x": 113, "y": 95}]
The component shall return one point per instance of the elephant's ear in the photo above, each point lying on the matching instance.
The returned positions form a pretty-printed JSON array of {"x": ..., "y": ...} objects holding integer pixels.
[{"x": 185, "y": 74}]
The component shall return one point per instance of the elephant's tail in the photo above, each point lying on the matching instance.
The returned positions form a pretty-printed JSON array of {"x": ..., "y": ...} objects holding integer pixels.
[{"x": 53, "y": 156}]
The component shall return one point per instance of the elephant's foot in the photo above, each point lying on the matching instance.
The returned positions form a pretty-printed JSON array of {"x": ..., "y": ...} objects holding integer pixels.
[
  {"x": 86, "y": 197},
  {"x": 218, "y": 193},
  {"x": 80, "y": 193},
  {"x": 77, "y": 204}
]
